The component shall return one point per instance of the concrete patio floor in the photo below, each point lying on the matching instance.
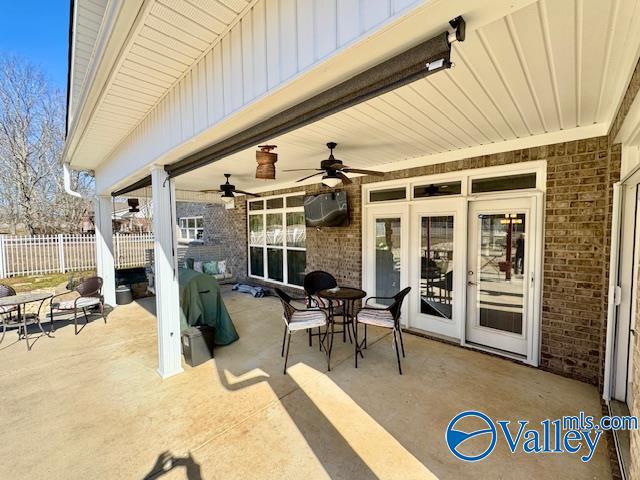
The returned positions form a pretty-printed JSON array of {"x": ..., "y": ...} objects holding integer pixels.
[{"x": 92, "y": 406}]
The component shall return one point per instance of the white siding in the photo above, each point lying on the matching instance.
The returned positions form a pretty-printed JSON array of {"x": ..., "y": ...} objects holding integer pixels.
[{"x": 274, "y": 41}]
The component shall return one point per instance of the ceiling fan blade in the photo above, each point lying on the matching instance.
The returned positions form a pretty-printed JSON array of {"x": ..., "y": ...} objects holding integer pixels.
[
  {"x": 312, "y": 175},
  {"x": 303, "y": 170},
  {"x": 210, "y": 191},
  {"x": 346, "y": 180},
  {"x": 246, "y": 193},
  {"x": 364, "y": 172}
]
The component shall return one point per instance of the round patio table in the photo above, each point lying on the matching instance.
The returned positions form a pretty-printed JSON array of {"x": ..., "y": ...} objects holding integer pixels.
[
  {"x": 349, "y": 296},
  {"x": 21, "y": 300}
]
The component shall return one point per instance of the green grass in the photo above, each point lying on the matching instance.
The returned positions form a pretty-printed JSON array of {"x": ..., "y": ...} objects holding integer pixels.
[{"x": 26, "y": 284}]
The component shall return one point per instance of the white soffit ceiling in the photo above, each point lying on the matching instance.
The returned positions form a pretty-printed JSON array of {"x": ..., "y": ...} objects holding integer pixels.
[
  {"x": 173, "y": 35},
  {"x": 88, "y": 18},
  {"x": 553, "y": 66}
]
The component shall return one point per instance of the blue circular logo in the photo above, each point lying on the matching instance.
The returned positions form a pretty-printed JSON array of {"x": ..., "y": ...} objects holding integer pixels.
[{"x": 456, "y": 437}]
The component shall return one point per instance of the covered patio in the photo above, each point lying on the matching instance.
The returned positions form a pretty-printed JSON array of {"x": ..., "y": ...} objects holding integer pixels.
[{"x": 92, "y": 406}]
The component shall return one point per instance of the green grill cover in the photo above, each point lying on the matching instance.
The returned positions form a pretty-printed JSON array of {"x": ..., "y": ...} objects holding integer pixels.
[{"x": 201, "y": 304}]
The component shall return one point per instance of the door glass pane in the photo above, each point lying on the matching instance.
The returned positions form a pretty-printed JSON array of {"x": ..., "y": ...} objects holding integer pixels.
[
  {"x": 436, "y": 266},
  {"x": 296, "y": 232},
  {"x": 296, "y": 266},
  {"x": 274, "y": 229},
  {"x": 387, "y": 258},
  {"x": 501, "y": 263},
  {"x": 257, "y": 261},
  {"x": 256, "y": 230},
  {"x": 274, "y": 264}
]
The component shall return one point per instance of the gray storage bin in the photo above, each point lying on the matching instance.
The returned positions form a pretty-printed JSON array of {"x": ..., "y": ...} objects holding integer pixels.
[
  {"x": 197, "y": 345},
  {"x": 123, "y": 295}
]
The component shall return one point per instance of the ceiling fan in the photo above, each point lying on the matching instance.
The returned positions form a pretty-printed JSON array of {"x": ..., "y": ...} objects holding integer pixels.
[
  {"x": 333, "y": 170},
  {"x": 228, "y": 190}
]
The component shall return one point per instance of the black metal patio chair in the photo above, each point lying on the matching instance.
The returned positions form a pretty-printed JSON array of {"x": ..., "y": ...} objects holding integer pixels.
[
  {"x": 89, "y": 295},
  {"x": 312, "y": 284},
  {"x": 297, "y": 319},
  {"x": 387, "y": 317},
  {"x": 7, "y": 291}
]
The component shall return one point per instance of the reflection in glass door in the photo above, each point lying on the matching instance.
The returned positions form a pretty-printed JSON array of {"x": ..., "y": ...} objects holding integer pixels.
[
  {"x": 436, "y": 266},
  {"x": 497, "y": 275},
  {"x": 387, "y": 259}
]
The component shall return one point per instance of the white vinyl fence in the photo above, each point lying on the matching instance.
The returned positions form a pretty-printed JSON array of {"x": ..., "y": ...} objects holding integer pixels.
[{"x": 40, "y": 254}]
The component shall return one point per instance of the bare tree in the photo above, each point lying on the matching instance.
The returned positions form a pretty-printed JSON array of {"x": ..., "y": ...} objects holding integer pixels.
[{"x": 32, "y": 131}]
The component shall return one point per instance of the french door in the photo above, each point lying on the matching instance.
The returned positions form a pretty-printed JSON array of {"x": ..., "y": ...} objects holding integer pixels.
[
  {"x": 386, "y": 251},
  {"x": 500, "y": 257},
  {"x": 438, "y": 229}
]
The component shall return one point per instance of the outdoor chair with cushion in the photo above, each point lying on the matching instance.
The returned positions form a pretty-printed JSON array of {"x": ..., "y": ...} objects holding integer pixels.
[
  {"x": 297, "y": 319},
  {"x": 89, "y": 295},
  {"x": 6, "y": 291},
  {"x": 387, "y": 317}
]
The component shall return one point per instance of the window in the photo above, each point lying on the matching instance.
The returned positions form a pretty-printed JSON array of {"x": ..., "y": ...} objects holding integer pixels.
[
  {"x": 278, "y": 239},
  {"x": 191, "y": 229},
  {"x": 437, "y": 189},
  {"x": 500, "y": 184},
  {"x": 385, "y": 195}
]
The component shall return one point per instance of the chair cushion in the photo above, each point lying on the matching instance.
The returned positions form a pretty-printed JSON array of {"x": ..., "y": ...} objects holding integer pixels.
[
  {"x": 303, "y": 319},
  {"x": 379, "y": 318},
  {"x": 324, "y": 303},
  {"x": 222, "y": 266},
  {"x": 8, "y": 309},
  {"x": 82, "y": 302}
]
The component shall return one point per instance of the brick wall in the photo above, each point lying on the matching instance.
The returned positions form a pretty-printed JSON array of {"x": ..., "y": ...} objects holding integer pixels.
[
  {"x": 228, "y": 230},
  {"x": 576, "y": 243},
  {"x": 630, "y": 95}
]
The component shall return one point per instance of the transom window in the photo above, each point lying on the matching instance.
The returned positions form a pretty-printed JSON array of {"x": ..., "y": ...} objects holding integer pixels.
[
  {"x": 277, "y": 239},
  {"x": 191, "y": 229}
]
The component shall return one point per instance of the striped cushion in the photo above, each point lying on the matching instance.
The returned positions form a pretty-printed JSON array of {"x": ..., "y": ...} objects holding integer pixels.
[
  {"x": 324, "y": 303},
  {"x": 11, "y": 308},
  {"x": 303, "y": 319},
  {"x": 82, "y": 302},
  {"x": 379, "y": 318}
]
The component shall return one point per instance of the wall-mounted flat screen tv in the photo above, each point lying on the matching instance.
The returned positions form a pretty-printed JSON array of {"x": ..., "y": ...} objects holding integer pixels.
[{"x": 326, "y": 210}]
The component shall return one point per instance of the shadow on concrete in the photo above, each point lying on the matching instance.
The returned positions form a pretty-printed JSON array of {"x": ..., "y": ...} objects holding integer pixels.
[
  {"x": 167, "y": 462},
  {"x": 334, "y": 452}
]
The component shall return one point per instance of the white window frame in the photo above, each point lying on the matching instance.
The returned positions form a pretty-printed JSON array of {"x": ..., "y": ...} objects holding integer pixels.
[
  {"x": 195, "y": 239},
  {"x": 284, "y": 247}
]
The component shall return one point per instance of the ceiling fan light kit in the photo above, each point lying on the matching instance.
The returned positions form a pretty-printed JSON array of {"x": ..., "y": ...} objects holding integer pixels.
[
  {"x": 266, "y": 169},
  {"x": 333, "y": 170},
  {"x": 331, "y": 182}
]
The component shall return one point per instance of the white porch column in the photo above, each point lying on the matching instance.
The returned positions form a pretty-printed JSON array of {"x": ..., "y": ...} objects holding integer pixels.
[
  {"x": 105, "y": 265},
  {"x": 166, "y": 273}
]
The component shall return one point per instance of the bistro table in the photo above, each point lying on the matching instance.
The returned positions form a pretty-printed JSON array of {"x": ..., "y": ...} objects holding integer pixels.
[
  {"x": 21, "y": 300},
  {"x": 348, "y": 296}
]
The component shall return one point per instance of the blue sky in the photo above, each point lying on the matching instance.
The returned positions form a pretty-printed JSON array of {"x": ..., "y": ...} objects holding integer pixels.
[{"x": 38, "y": 31}]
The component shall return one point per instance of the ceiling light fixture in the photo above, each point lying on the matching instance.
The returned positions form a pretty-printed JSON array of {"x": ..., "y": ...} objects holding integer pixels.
[
  {"x": 331, "y": 181},
  {"x": 266, "y": 169}
]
